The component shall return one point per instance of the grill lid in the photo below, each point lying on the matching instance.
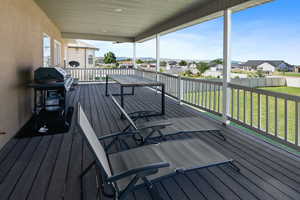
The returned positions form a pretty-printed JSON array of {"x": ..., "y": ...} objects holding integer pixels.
[{"x": 50, "y": 74}]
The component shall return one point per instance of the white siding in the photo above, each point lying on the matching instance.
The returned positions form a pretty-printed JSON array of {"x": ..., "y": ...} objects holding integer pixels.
[{"x": 266, "y": 67}]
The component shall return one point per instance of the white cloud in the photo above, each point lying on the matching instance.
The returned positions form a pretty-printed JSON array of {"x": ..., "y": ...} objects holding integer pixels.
[{"x": 252, "y": 39}]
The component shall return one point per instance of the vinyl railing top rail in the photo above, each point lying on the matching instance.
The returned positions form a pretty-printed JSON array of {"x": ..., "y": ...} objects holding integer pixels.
[
  {"x": 208, "y": 81},
  {"x": 96, "y": 68},
  {"x": 266, "y": 92}
]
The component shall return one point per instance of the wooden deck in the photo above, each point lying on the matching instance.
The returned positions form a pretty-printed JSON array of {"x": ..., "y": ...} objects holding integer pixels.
[{"x": 48, "y": 167}]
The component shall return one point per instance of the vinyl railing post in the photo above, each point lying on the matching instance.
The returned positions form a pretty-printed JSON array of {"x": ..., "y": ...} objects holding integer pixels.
[
  {"x": 227, "y": 64},
  {"x": 179, "y": 89}
]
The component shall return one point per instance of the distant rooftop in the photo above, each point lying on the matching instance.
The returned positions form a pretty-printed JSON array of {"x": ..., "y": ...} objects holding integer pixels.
[{"x": 254, "y": 63}]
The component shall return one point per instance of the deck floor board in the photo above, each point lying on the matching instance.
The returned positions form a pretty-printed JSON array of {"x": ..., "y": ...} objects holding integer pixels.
[{"x": 49, "y": 167}]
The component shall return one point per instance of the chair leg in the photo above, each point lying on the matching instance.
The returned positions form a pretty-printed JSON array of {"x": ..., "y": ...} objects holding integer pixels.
[{"x": 152, "y": 189}]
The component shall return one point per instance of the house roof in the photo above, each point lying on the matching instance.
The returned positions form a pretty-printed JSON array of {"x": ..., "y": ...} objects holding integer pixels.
[
  {"x": 255, "y": 63},
  {"x": 133, "y": 20},
  {"x": 80, "y": 44}
]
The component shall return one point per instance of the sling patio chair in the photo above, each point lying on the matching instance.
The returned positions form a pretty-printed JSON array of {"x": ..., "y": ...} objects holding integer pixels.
[
  {"x": 138, "y": 167},
  {"x": 159, "y": 129}
]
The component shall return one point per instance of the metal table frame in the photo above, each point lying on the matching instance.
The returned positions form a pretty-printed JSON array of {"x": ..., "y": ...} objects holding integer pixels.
[{"x": 135, "y": 82}]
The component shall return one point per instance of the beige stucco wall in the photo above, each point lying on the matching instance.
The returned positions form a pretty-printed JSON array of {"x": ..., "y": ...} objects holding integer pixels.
[
  {"x": 22, "y": 24},
  {"x": 81, "y": 55}
]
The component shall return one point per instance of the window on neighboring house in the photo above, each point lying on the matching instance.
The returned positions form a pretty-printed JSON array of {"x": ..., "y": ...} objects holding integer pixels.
[
  {"x": 90, "y": 60},
  {"x": 57, "y": 52},
  {"x": 46, "y": 50}
]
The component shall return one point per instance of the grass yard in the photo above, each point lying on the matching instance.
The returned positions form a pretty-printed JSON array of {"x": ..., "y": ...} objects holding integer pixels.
[
  {"x": 287, "y": 90},
  {"x": 243, "y": 103},
  {"x": 291, "y": 74}
]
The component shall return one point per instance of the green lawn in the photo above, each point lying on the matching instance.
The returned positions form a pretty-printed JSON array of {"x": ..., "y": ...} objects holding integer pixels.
[
  {"x": 287, "y": 90},
  {"x": 238, "y": 109},
  {"x": 292, "y": 74}
]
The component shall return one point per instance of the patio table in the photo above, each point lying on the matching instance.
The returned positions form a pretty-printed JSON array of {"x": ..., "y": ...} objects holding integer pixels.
[{"x": 135, "y": 81}]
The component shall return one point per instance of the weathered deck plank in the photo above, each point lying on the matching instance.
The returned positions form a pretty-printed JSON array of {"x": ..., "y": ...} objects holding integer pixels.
[{"x": 49, "y": 167}]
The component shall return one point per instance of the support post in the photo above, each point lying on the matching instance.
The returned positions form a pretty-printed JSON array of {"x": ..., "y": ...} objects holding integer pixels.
[
  {"x": 134, "y": 56},
  {"x": 157, "y": 55},
  {"x": 227, "y": 64}
]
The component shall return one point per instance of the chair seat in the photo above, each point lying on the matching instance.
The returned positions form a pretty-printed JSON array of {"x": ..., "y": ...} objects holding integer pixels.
[{"x": 180, "y": 154}]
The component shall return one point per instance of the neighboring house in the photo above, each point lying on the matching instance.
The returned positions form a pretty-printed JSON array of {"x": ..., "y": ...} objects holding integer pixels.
[
  {"x": 174, "y": 70},
  {"x": 171, "y": 64},
  {"x": 277, "y": 64},
  {"x": 297, "y": 69},
  {"x": 81, "y": 52},
  {"x": 126, "y": 63},
  {"x": 266, "y": 68},
  {"x": 192, "y": 65},
  {"x": 215, "y": 71},
  {"x": 216, "y": 68}
]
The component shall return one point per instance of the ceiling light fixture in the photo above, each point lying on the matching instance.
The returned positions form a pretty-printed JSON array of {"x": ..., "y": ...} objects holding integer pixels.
[{"x": 118, "y": 9}]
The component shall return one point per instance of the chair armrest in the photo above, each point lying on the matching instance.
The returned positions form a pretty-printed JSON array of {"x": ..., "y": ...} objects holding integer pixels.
[
  {"x": 140, "y": 171},
  {"x": 155, "y": 125}
]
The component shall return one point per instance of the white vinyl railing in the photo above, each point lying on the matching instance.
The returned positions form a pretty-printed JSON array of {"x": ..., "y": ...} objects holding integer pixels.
[
  {"x": 96, "y": 74},
  {"x": 273, "y": 114}
]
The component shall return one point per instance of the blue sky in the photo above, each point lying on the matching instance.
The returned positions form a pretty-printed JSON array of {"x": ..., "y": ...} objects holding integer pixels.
[{"x": 269, "y": 31}]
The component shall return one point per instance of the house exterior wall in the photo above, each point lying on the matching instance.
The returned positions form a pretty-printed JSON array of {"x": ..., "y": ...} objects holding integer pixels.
[
  {"x": 266, "y": 67},
  {"x": 21, "y": 52},
  {"x": 76, "y": 54},
  {"x": 81, "y": 55},
  {"x": 90, "y": 53}
]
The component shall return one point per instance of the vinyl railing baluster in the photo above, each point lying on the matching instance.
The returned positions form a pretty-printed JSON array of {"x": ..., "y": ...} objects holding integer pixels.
[
  {"x": 210, "y": 97},
  {"x": 276, "y": 117},
  {"x": 232, "y": 103},
  {"x": 202, "y": 94},
  {"x": 179, "y": 88},
  {"x": 219, "y": 98},
  {"x": 214, "y": 108},
  {"x": 296, "y": 123},
  {"x": 285, "y": 119},
  {"x": 245, "y": 106},
  {"x": 194, "y": 92},
  {"x": 259, "y": 111},
  {"x": 198, "y": 94},
  {"x": 267, "y": 114},
  {"x": 205, "y": 99},
  {"x": 238, "y": 104}
]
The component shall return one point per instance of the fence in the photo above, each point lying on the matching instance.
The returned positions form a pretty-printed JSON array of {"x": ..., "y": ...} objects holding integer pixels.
[{"x": 273, "y": 114}]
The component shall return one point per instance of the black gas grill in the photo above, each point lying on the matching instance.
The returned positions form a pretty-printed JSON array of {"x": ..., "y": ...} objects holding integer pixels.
[
  {"x": 50, "y": 85},
  {"x": 52, "y": 77}
]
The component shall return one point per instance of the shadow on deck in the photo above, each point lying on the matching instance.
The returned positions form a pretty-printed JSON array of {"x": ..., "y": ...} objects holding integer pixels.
[{"x": 48, "y": 167}]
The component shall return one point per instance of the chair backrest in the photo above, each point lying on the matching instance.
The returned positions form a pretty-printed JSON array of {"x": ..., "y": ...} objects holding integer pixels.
[
  {"x": 124, "y": 112},
  {"x": 93, "y": 141}
]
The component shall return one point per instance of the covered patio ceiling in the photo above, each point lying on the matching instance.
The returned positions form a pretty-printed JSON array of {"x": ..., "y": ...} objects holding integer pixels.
[{"x": 133, "y": 20}]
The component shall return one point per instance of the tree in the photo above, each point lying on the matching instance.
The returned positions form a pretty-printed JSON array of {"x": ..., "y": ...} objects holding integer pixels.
[
  {"x": 218, "y": 61},
  {"x": 183, "y": 63},
  {"x": 139, "y": 61},
  {"x": 109, "y": 58},
  {"x": 163, "y": 63},
  {"x": 202, "y": 67}
]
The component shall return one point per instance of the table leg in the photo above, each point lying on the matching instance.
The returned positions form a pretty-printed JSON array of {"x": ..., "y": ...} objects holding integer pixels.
[
  {"x": 106, "y": 85},
  {"x": 163, "y": 99},
  {"x": 132, "y": 90}
]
